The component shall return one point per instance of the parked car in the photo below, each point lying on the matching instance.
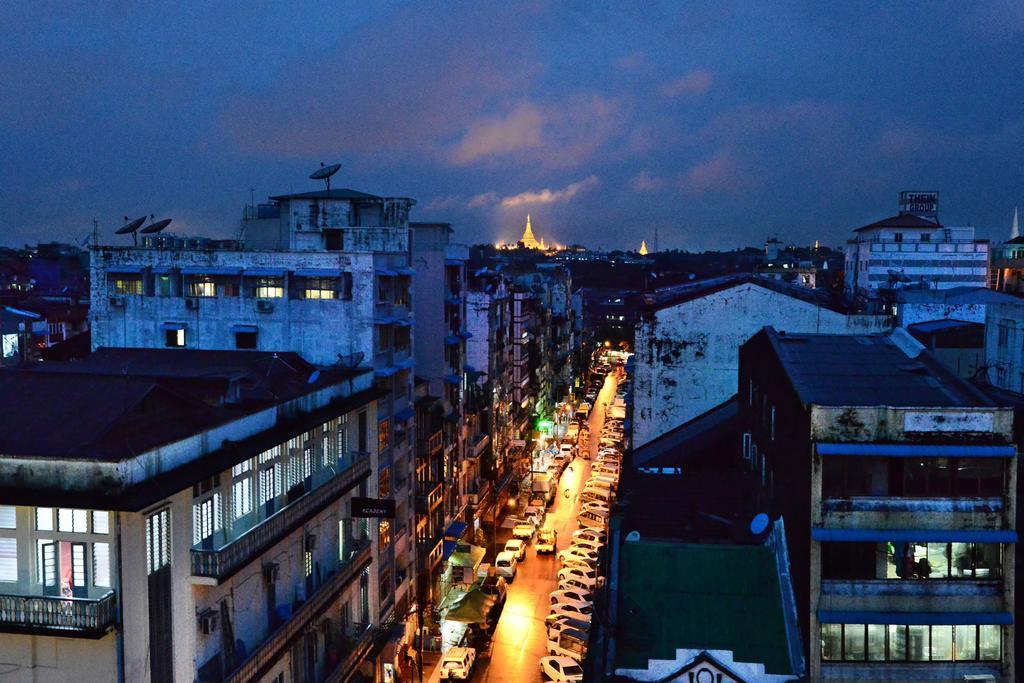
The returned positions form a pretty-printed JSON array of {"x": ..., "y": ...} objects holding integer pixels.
[
  {"x": 457, "y": 663},
  {"x": 569, "y": 643},
  {"x": 592, "y": 519},
  {"x": 570, "y": 594},
  {"x": 560, "y": 668},
  {"x": 535, "y": 514},
  {"x": 496, "y": 587},
  {"x": 547, "y": 541},
  {"x": 590, "y": 534},
  {"x": 571, "y": 611},
  {"x": 524, "y": 530},
  {"x": 517, "y": 547},
  {"x": 505, "y": 565},
  {"x": 579, "y": 581},
  {"x": 589, "y": 574},
  {"x": 596, "y": 505},
  {"x": 578, "y": 554},
  {"x": 586, "y": 542},
  {"x": 556, "y": 623},
  {"x": 581, "y": 606},
  {"x": 567, "y": 450}
]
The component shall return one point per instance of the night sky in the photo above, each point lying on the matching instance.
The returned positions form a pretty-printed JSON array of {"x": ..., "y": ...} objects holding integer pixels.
[{"x": 718, "y": 124}]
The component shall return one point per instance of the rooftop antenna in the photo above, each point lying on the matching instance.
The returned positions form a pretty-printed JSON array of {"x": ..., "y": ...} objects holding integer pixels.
[
  {"x": 130, "y": 227},
  {"x": 324, "y": 173},
  {"x": 156, "y": 227}
]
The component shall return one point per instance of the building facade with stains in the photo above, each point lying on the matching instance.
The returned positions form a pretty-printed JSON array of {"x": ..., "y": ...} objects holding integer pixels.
[
  {"x": 688, "y": 338},
  {"x": 896, "y": 481}
]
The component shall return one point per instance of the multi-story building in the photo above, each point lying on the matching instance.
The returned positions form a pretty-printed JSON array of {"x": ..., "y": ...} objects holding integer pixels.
[
  {"x": 1004, "y": 345},
  {"x": 896, "y": 483},
  {"x": 188, "y": 516},
  {"x": 687, "y": 341},
  {"x": 323, "y": 274},
  {"x": 913, "y": 247}
]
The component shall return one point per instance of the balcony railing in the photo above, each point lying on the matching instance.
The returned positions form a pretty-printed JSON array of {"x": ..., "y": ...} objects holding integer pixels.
[
  {"x": 58, "y": 616},
  {"x": 429, "y": 496},
  {"x": 223, "y": 562},
  {"x": 267, "y": 653}
]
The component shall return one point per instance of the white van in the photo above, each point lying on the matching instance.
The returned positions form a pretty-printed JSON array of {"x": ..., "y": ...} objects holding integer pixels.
[
  {"x": 569, "y": 643},
  {"x": 505, "y": 565},
  {"x": 593, "y": 519},
  {"x": 596, "y": 494}
]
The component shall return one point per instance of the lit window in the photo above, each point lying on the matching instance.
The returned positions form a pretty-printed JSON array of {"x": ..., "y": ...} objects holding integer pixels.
[
  {"x": 44, "y": 519},
  {"x": 101, "y": 565},
  {"x": 206, "y": 518},
  {"x": 8, "y": 517},
  {"x": 127, "y": 286},
  {"x": 158, "y": 540},
  {"x": 8, "y": 559},
  {"x": 385, "y": 533},
  {"x": 100, "y": 522},
  {"x": 202, "y": 288},
  {"x": 174, "y": 338},
  {"x": 321, "y": 288},
  {"x": 9, "y": 345},
  {"x": 269, "y": 288}
]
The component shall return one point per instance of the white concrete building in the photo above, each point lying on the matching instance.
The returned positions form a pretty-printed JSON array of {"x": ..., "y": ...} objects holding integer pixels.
[
  {"x": 188, "y": 516},
  {"x": 967, "y": 304},
  {"x": 323, "y": 274},
  {"x": 1004, "y": 345},
  {"x": 914, "y": 248},
  {"x": 687, "y": 342}
]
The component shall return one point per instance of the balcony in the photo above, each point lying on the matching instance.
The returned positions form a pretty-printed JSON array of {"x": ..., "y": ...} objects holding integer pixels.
[
  {"x": 929, "y": 595},
  {"x": 57, "y": 616},
  {"x": 429, "y": 496},
  {"x": 267, "y": 653},
  {"x": 431, "y": 444},
  {"x": 222, "y": 563},
  {"x": 888, "y": 512},
  {"x": 479, "y": 445}
]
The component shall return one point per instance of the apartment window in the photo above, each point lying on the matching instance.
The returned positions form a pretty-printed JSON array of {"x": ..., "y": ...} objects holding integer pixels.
[
  {"x": 101, "y": 565},
  {"x": 269, "y": 288},
  {"x": 8, "y": 517},
  {"x": 158, "y": 540},
  {"x": 75, "y": 521},
  {"x": 162, "y": 285},
  {"x": 44, "y": 519},
  {"x": 384, "y": 483},
  {"x": 270, "y": 483},
  {"x": 8, "y": 559},
  {"x": 174, "y": 338},
  {"x": 383, "y": 290},
  {"x": 202, "y": 287},
  {"x": 100, "y": 522},
  {"x": 897, "y": 237},
  {"x": 341, "y": 436},
  {"x": 915, "y": 643},
  {"x": 1004, "y": 333},
  {"x": 231, "y": 289},
  {"x": 383, "y": 434},
  {"x": 127, "y": 285},
  {"x": 245, "y": 339},
  {"x": 241, "y": 489},
  {"x": 321, "y": 288},
  {"x": 206, "y": 518},
  {"x": 926, "y": 237}
]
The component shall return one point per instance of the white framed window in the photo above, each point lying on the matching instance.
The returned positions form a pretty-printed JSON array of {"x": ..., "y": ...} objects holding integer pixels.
[
  {"x": 269, "y": 288},
  {"x": 206, "y": 518},
  {"x": 241, "y": 489},
  {"x": 101, "y": 565},
  {"x": 8, "y": 517},
  {"x": 204, "y": 288},
  {"x": 100, "y": 522},
  {"x": 75, "y": 521},
  {"x": 44, "y": 519},
  {"x": 270, "y": 483}
]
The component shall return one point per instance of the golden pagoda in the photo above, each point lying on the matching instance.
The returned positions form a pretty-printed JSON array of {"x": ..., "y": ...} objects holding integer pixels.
[
  {"x": 643, "y": 247},
  {"x": 528, "y": 240}
]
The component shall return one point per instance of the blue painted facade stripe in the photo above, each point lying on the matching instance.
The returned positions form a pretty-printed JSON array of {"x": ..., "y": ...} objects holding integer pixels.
[
  {"x": 914, "y": 618},
  {"x": 903, "y": 450},
  {"x": 916, "y": 535}
]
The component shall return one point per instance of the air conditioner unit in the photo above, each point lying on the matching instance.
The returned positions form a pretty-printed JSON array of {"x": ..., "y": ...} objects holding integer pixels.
[
  {"x": 192, "y": 304},
  {"x": 208, "y": 621},
  {"x": 271, "y": 572},
  {"x": 117, "y": 301},
  {"x": 264, "y": 306}
]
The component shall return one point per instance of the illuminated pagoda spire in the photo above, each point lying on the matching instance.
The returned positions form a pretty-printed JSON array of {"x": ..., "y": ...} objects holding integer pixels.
[
  {"x": 528, "y": 240},
  {"x": 643, "y": 247},
  {"x": 1015, "y": 231}
]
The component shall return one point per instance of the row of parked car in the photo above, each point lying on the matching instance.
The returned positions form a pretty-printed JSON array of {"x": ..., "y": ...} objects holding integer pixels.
[{"x": 580, "y": 564}]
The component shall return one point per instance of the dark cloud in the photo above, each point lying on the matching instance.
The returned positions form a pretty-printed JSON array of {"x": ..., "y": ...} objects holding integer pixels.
[{"x": 717, "y": 125}]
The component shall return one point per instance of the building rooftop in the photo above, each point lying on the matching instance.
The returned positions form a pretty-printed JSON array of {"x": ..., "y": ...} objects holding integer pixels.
[
  {"x": 954, "y": 296},
  {"x": 903, "y": 220},
  {"x": 861, "y": 370},
  {"x": 666, "y": 297},
  {"x": 697, "y": 439},
  {"x": 336, "y": 193},
  {"x": 117, "y": 403},
  {"x": 942, "y": 326},
  {"x": 681, "y": 595}
]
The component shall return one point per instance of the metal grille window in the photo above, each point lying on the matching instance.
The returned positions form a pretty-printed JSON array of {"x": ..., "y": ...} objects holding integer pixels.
[
  {"x": 915, "y": 643},
  {"x": 203, "y": 287},
  {"x": 269, "y": 288},
  {"x": 127, "y": 286},
  {"x": 321, "y": 288},
  {"x": 158, "y": 540}
]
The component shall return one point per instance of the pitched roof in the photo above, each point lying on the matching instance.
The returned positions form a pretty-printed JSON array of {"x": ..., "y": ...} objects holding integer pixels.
[
  {"x": 681, "y": 445},
  {"x": 955, "y": 295},
  {"x": 902, "y": 220},
  {"x": 666, "y": 297},
  {"x": 335, "y": 193},
  {"x": 700, "y": 596}
]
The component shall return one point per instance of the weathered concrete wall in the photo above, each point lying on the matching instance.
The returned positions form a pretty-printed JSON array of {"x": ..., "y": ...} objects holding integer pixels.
[
  {"x": 687, "y": 356},
  {"x": 48, "y": 659},
  {"x": 912, "y": 313},
  {"x": 880, "y": 423},
  {"x": 1005, "y": 361}
]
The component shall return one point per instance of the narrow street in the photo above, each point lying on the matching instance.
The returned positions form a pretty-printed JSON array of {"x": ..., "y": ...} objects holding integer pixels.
[{"x": 520, "y": 639}]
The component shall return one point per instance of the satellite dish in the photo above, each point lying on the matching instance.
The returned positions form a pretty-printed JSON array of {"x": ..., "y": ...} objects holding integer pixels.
[
  {"x": 324, "y": 172},
  {"x": 633, "y": 537},
  {"x": 156, "y": 227},
  {"x": 130, "y": 227},
  {"x": 351, "y": 361},
  {"x": 759, "y": 524},
  {"x": 314, "y": 377}
]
